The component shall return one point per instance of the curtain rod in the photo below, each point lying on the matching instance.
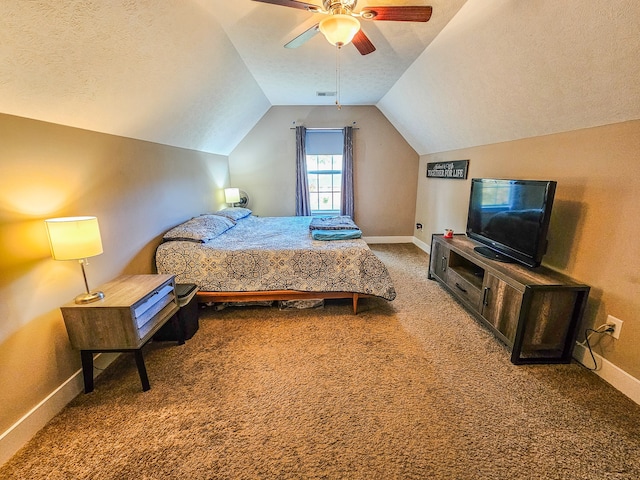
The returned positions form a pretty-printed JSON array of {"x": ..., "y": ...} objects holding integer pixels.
[{"x": 325, "y": 128}]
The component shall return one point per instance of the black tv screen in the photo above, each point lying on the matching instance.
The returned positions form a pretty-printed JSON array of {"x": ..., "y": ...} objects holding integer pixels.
[{"x": 511, "y": 218}]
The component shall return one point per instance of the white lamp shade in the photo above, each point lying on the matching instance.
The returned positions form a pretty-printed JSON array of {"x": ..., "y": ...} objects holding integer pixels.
[
  {"x": 74, "y": 238},
  {"x": 232, "y": 195},
  {"x": 339, "y": 29}
]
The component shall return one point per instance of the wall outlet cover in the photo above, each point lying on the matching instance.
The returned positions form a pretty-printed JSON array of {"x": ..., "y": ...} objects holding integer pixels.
[{"x": 618, "y": 326}]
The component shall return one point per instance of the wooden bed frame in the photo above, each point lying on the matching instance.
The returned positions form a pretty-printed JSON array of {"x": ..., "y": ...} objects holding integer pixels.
[{"x": 276, "y": 295}]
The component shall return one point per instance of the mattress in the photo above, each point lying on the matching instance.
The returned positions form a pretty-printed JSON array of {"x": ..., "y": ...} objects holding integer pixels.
[{"x": 275, "y": 253}]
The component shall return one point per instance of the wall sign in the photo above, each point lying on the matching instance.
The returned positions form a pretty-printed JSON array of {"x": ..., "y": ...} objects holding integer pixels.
[{"x": 456, "y": 169}]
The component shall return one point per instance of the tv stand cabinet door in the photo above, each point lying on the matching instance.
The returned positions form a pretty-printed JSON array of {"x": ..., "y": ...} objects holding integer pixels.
[
  {"x": 439, "y": 260},
  {"x": 501, "y": 305}
]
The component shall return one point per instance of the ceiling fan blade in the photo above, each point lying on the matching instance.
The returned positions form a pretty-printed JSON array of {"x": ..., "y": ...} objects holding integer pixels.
[
  {"x": 304, "y": 37},
  {"x": 398, "y": 14},
  {"x": 290, "y": 3},
  {"x": 362, "y": 43}
]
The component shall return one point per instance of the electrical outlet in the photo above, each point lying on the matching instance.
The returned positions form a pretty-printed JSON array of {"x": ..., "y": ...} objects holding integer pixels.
[
  {"x": 418, "y": 226},
  {"x": 617, "y": 326}
]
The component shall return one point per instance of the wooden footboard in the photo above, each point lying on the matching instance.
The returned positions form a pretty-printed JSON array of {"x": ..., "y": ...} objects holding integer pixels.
[{"x": 275, "y": 295}]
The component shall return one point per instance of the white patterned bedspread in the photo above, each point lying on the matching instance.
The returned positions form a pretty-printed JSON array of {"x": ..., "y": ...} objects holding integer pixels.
[{"x": 276, "y": 253}]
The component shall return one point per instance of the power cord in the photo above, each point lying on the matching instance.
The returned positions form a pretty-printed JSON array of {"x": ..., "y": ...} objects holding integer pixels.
[{"x": 604, "y": 328}]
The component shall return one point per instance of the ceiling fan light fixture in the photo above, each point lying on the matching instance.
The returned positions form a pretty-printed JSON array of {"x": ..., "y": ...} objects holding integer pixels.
[{"x": 339, "y": 29}]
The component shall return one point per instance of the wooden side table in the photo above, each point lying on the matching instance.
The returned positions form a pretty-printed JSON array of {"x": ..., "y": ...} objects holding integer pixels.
[{"x": 134, "y": 307}]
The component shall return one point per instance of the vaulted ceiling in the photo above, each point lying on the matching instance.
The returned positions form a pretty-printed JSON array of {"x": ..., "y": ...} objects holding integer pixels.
[
  {"x": 199, "y": 74},
  {"x": 288, "y": 76}
]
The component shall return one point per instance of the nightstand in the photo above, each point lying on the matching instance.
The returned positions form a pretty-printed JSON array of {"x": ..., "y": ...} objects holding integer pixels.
[{"x": 134, "y": 307}]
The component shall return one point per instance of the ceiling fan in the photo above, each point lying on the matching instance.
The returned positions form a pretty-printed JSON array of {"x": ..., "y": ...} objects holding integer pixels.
[{"x": 341, "y": 26}]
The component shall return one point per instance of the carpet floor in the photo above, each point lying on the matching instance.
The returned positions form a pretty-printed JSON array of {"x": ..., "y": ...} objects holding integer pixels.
[{"x": 410, "y": 389}]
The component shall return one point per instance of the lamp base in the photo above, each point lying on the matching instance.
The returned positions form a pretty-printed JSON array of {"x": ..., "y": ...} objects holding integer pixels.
[{"x": 89, "y": 297}]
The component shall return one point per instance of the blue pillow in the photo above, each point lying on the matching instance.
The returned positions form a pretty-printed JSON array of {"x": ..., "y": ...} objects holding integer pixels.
[
  {"x": 199, "y": 229},
  {"x": 234, "y": 213}
]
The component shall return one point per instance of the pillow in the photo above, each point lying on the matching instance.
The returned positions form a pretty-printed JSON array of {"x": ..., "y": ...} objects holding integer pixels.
[
  {"x": 234, "y": 213},
  {"x": 199, "y": 229}
]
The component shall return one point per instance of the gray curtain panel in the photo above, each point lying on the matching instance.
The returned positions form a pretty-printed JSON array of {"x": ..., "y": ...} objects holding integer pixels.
[
  {"x": 347, "y": 173},
  {"x": 303, "y": 207}
]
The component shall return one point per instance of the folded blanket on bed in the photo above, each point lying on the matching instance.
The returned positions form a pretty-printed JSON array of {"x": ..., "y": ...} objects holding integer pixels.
[
  {"x": 342, "y": 222},
  {"x": 335, "y": 234}
]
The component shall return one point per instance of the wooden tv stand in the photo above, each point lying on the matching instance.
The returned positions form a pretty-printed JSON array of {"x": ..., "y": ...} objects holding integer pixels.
[{"x": 536, "y": 312}]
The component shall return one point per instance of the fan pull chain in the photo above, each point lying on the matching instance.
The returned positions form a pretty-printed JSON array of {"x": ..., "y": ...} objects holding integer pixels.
[{"x": 338, "y": 77}]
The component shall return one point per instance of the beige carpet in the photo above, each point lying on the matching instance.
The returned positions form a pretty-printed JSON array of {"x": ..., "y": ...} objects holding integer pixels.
[{"x": 411, "y": 389}]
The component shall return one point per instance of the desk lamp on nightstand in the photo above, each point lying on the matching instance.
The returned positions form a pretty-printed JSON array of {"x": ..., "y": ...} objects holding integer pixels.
[
  {"x": 76, "y": 238},
  {"x": 232, "y": 196}
]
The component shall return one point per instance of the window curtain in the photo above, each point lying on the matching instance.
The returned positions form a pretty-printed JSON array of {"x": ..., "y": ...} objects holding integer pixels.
[
  {"x": 303, "y": 203},
  {"x": 347, "y": 173}
]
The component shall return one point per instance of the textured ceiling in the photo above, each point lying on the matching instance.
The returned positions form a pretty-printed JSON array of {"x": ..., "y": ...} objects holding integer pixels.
[
  {"x": 196, "y": 74},
  {"x": 503, "y": 70},
  {"x": 200, "y": 74},
  {"x": 294, "y": 76},
  {"x": 157, "y": 70}
]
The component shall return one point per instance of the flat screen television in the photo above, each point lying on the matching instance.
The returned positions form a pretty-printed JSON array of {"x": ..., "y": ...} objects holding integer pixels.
[{"x": 511, "y": 218}]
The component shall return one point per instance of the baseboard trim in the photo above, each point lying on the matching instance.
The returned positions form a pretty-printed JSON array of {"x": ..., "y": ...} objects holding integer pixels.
[
  {"x": 398, "y": 239},
  {"x": 422, "y": 245},
  {"x": 610, "y": 373},
  {"x": 24, "y": 429}
]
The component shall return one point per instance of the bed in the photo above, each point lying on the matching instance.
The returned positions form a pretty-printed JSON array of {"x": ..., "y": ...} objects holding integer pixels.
[{"x": 234, "y": 256}]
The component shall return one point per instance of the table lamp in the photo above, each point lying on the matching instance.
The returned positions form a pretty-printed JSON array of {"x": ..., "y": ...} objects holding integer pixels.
[
  {"x": 232, "y": 196},
  {"x": 76, "y": 238}
]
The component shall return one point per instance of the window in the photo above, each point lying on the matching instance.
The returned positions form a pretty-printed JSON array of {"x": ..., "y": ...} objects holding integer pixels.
[
  {"x": 324, "y": 170},
  {"x": 325, "y": 183}
]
